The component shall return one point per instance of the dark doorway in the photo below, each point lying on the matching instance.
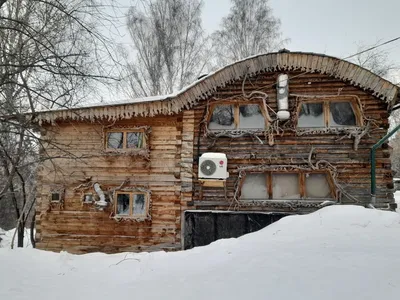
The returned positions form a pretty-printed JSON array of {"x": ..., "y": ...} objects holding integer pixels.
[{"x": 205, "y": 227}]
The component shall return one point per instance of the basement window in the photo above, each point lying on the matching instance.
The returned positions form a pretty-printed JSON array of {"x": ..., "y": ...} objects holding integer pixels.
[
  {"x": 125, "y": 139},
  {"x": 238, "y": 116},
  {"x": 132, "y": 205},
  {"x": 56, "y": 194},
  {"x": 328, "y": 113},
  {"x": 286, "y": 186}
]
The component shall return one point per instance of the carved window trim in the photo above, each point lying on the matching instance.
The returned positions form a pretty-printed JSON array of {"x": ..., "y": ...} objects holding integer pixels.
[
  {"x": 302, "y": 185},
  {"x": 141, "y": 151},
  {"x": 236, "y": 114},
  {"x": 355, "y": 105},
  {"x": 131, "y": 192},
  {"x": 56, "y": 191}
]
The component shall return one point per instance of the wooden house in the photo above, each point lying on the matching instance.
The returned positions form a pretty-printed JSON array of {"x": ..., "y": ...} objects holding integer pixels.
[{"x": 293, "y": 130}]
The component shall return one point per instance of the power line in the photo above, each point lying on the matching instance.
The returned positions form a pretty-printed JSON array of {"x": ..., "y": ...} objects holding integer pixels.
[{"x": 374, "y": 47}]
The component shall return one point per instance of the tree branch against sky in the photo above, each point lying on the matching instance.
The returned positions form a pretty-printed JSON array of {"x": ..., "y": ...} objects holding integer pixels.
[
  {"x": 169, "y": 46},
  {"x": 53, "y": 53},
  {"x": 250, "y": 28}
]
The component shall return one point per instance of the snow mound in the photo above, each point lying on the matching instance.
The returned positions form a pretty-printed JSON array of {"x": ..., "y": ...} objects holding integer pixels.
[
  {"x": 6, "y": 237},
  {"x": 338, "y": 252}
]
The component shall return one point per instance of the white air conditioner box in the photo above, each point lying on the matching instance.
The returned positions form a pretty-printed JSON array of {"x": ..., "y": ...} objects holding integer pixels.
[{"x": 213, "y": 166}]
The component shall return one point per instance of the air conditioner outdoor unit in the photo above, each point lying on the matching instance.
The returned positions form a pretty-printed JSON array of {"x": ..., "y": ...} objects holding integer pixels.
[{"x": 213, "y": 166}]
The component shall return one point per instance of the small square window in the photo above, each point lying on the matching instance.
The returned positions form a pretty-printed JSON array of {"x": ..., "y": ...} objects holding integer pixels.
[
  {"x": 311, "y": 115},
  {"x": 317, "y": 186},
  {"x": 341, "y": 114},
  {"x": 115, "y": 140},
  {"x": 134, "y": 140},
  {"x": 88, "y": 198},
  {"x": 55, "y": 197},
  {"x": 254, "y": 187},
  {"x": 251, "y": 117},
  {"x": 222, "y": 118},
  {"x": 285, "y": 186}
]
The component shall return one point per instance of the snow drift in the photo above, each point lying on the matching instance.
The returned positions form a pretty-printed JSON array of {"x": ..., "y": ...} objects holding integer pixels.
[{"x": 339, "y": 252}]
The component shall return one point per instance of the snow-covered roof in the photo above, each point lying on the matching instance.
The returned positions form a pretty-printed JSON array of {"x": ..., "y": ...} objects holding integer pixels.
[{"x": 205, "y": 86}]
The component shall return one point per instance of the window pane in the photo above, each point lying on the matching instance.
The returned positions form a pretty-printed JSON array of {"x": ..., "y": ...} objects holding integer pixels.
[
  {"x": 250, "y": 117},
  {"x": 122, "y": 204},
  {"x": 139, "y": 204},
  {"x": 311, "y": 115},
  {"x": 285, "y": 186},
  {"x": 341, "y": 114},
  {"x": 254, "y": 187},
  {"x": 134, "y": 140},
  {"x": 317, "y": 186},
  {"x": 55, "y": 197},
  {"x": 222, "y": 118},
  {"x": 115, "y": 140}
]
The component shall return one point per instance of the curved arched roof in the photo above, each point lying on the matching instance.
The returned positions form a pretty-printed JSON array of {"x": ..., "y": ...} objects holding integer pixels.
[{"x": 204, "y": 87}]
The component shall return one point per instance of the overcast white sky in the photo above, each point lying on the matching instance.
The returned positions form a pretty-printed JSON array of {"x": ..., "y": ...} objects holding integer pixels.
[{"x": 332, "y": 27}]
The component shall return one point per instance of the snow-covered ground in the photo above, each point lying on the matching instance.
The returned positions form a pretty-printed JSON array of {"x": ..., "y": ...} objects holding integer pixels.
[
  {"x": 397, "y": 199},
  {"x": 339, "y": 252},
  {"x": 6, "y": 237}
]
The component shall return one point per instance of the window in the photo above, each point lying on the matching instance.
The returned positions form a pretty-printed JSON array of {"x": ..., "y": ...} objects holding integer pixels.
[
  {"x": 87, "y": 198},
  {"x": 132, "y": 204},
  {"x": 125, "y": 139},
  {"x": 284, "y": 186},
  {"x": 55, "y": 197},
  {"x": 56, "y": 194},
  {"x": 236, "y": 117},
  {"x": 328, "y": 114}
]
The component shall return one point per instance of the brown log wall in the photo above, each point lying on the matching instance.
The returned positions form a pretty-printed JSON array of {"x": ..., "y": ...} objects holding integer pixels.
[
  {"x": 79, "y": 227},
  {"x": 353, "y": 166}
]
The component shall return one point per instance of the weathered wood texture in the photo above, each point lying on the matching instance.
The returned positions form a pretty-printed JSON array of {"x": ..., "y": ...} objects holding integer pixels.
[
  {"x": 176, "y": 142},
  {"x": 353, "y": 166},
  {"x": 79, "y": 227}
]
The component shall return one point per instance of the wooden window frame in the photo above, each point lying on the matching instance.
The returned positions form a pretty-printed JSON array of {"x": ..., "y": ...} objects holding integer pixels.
[
  {"x": 326, "y": 111},
  {"x": 131, "y": 194},
  {"x": 124, "y": 132},
  {"x": 59, "y": 190},
  {"x": 302, "y": 185},
  {"x": 236, "y": 114}
]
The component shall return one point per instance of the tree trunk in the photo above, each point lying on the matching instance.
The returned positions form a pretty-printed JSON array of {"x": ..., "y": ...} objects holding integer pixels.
[
  {"x": 21, "y": 232},
  {"x": 32, "y": 233}
]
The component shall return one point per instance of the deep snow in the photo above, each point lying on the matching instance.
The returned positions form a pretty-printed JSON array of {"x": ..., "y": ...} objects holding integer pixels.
[{"x": 338, "y": 252}]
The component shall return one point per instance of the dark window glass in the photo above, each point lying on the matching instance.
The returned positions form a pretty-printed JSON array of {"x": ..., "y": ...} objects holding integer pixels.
[
  {"x": 115, "y": 140},
  {"x": 139, "y": 204},
  {"x": 222, "y": 117},
  {"x": 122, "y": 204},
  {"x": 311, "y": 115},
  {"x": 134, "y": 140},
  {"x": 55, "y": 197},
  {"x": 341, "y": 114},
  {"x": 250, "y": 117}
]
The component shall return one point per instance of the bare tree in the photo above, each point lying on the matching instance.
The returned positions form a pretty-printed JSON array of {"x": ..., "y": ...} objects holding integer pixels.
[
  {"x": 250, "y": 28},
  {"x": 52, "y": 53},
  {"x": 169, "y": 46}
]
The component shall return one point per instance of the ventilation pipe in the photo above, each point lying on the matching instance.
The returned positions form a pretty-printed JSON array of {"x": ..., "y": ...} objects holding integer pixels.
[
  {"x": 102, "y": 202},
  {"x": 282, "y": 88}
]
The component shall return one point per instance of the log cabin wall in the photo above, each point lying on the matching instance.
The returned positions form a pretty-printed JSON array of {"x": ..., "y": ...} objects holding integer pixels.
[
  {"x": 353, "y": 166},
  {"x": 79, "y": 227}
]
